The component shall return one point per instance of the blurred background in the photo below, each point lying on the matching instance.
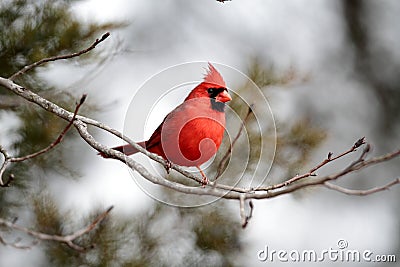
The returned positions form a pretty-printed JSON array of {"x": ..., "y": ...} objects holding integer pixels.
[{"x": 329, "y": 69}]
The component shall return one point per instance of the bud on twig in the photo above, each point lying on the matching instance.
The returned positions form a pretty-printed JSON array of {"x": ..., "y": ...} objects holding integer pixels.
[{"x": 359, "y": 142}]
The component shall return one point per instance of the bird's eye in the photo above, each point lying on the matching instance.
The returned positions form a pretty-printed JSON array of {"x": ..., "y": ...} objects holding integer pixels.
[{"x": 210, "y": 90}]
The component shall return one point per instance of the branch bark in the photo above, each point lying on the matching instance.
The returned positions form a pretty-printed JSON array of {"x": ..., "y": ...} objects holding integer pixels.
[
  {"x": 67, "y": 239},
  {"x": 215, "y": 189},
  {"x": 361, "y": 192},
  {"x": 312, "y": 171},
  {"x": 8, "y": 159},
  {"x": 45, "y": 60}
]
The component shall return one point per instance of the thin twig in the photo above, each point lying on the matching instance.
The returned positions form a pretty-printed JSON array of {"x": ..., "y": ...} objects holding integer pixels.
[
  {"x": 358, "y": 164},
  {"x": 229, "y": 151},
  {"x": 245, "y": 218},
  {"x": 248, "y": 217},
  {"x": 59, "y": 138},
  {"x": 49, "y": 59},
  {"x": 312, "y": 171},
  {"x": 356, "y": 145},
  {"x": 67, "y": 239},
  {"x": 8, "y": 159},
  {"x": 213, "y": 189},
  {"x": 15, "y": 244},
  {"x": 355, "y": 192},
  {"x": 66, "y": 115}
]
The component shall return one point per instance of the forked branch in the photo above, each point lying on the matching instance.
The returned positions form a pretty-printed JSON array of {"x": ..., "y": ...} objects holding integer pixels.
[
  {"x": 8, "y": 159},
  {"x": 215, "y": 189},
  {"x": 67, "y": 239},
  {"x": 312, "y": 171}
]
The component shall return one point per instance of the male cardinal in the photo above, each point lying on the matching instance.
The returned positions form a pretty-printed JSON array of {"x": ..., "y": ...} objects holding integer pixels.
[{"x": 192, "y": 133}]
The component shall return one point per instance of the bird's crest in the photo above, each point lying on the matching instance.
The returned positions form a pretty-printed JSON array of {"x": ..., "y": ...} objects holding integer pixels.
[{"x": 213, "y": 76}]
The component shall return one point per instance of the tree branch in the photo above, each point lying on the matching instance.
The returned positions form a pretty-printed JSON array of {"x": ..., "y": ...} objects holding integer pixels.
[
  {"x": 358, "y": 164},
  {"x": 245, "y": 218},
  {"x": 312, "y": 171},
  {"x": 15, "y": 244},
  {"x": 8, "y": 159},
  {"x": 361, "y": 192},
  {"x": 45, "y": 60},
  {"x": 67, "y": 239},
  {"x": 212, "y": 189},
  {"x": 215, "y": 189}
]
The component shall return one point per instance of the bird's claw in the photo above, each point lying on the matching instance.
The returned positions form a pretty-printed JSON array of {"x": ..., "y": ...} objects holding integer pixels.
[{"x": 205, "y": 180}]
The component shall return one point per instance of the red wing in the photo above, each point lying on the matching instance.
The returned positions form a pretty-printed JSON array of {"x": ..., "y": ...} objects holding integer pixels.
[
  {"x": 155, "y": 139},
  {"x": 154, "y": 143}
]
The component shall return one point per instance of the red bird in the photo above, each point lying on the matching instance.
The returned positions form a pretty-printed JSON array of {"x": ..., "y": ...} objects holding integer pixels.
[{"x": 192, "y": 133}]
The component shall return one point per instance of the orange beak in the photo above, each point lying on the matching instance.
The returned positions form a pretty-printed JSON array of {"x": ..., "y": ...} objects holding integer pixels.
[{"x": 224, "y": 96}]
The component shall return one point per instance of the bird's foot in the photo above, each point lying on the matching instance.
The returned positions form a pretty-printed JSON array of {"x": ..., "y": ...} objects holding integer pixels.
[{"x": 205, "y": 180}]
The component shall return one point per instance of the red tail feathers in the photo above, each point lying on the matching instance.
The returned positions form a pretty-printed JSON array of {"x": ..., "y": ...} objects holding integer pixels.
[{"x": 126, "y": 149}]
